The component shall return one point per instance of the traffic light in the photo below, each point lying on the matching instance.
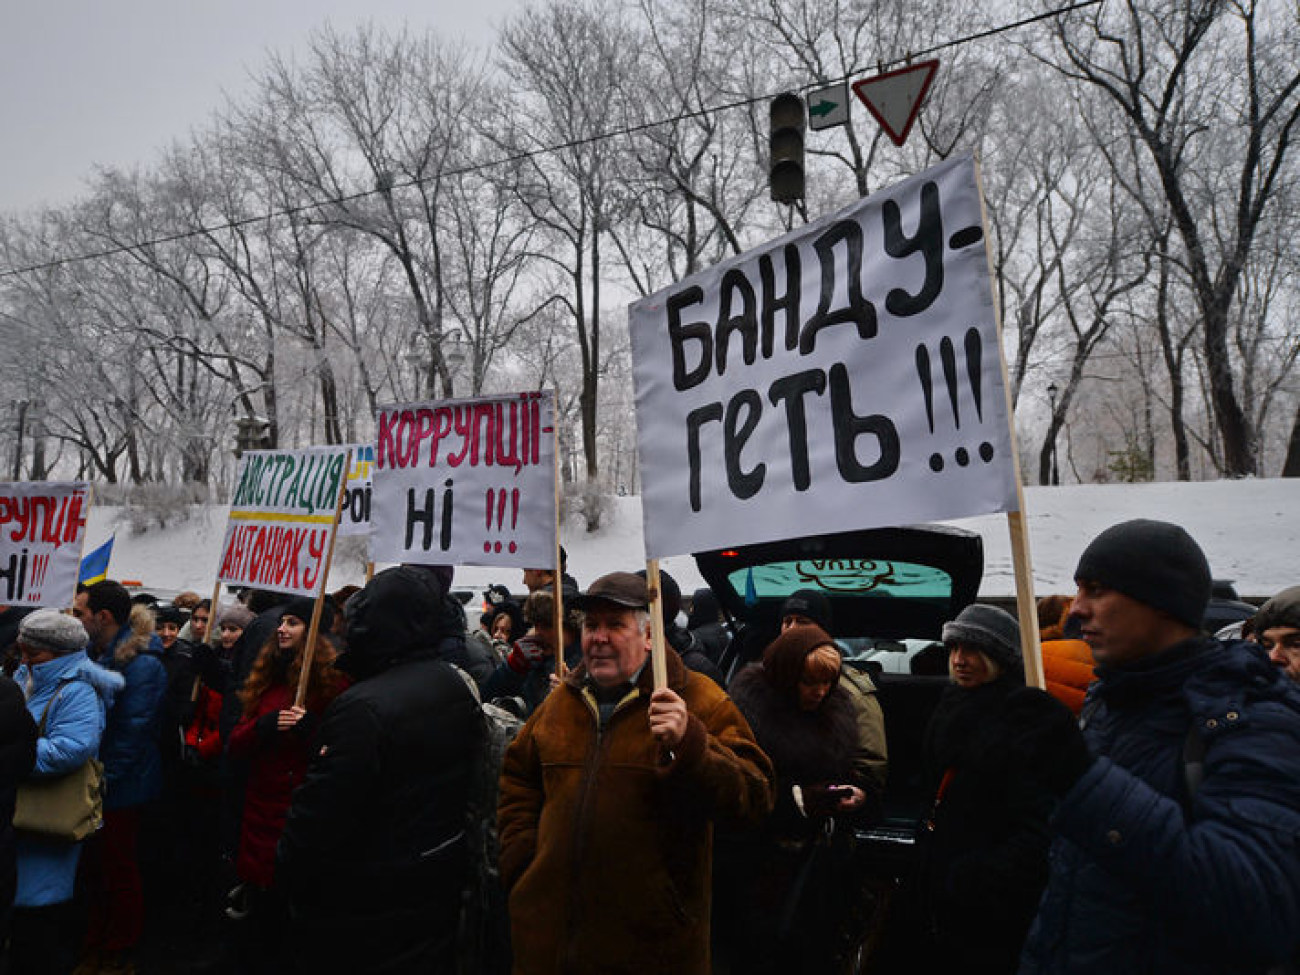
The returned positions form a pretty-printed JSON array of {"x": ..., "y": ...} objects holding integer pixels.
[{"x": 788, "y": 123}]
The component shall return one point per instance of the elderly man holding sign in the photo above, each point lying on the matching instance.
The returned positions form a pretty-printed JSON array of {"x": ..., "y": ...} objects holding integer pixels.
[{"x": 608, "y": 799}]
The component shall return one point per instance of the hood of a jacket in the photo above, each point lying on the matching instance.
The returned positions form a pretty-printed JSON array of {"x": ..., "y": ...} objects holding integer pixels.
[
  {"x": 73, "y": 666},
  {"x": 133, "y": 639},
  {"x": 397, "y": 616}
]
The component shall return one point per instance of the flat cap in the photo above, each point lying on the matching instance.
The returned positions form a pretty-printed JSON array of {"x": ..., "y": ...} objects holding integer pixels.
[{"x": 622, "y": 588}]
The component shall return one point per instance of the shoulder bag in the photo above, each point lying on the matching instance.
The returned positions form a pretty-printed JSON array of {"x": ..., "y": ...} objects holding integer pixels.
[{"x": 65, "y": 807}]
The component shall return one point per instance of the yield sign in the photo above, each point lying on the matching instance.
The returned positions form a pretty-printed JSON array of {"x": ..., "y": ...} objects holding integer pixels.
[{"x": 895, "y": 97}]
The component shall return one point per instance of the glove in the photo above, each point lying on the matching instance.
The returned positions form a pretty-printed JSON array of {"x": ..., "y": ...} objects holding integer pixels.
[
  {"x": 818, "y": 801},
  {"x": 1050, "y": 739},
  {"x": 528, "y": 652}
]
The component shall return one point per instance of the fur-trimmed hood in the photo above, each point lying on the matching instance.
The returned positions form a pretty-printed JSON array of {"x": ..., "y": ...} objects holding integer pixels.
[{"x": 133, "y": 639}]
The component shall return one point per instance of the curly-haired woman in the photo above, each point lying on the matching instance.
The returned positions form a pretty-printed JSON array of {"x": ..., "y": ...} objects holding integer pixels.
[{"x": 274, "y": 736}]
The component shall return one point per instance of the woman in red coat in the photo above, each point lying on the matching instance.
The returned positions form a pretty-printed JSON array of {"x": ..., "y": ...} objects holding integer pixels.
[{"x": 275, "y": 737}]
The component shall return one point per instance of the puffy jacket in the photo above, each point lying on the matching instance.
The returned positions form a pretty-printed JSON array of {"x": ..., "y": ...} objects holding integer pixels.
[
  {"x": 606, "y": 840},
  {"x": 374, "y": 842},
  {"x": 204, "y": 732},
  {"x": 129, "y": 751},
  {"x": 17, "y": 756},
  {"x": 78, "y": 694},
  {"x": 1151, "y": 874}
]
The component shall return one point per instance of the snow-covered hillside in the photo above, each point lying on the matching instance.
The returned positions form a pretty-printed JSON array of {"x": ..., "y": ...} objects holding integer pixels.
[{"x": 1250, "y": 530}]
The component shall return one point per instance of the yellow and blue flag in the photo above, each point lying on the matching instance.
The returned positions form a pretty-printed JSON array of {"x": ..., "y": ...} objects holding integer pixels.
[{"x": 94, "y": 567}]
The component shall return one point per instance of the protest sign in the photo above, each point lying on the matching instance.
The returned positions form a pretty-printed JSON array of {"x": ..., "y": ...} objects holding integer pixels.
[
  {"x": 466, "y": 482},
  {"x": 282, "y": 519},
  {"x": 355, "y": 517},
  {"x": 846, "y": 375},
  {"x": 42, "y": 530}
]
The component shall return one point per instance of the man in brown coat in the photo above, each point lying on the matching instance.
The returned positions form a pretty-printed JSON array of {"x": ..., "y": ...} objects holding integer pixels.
[{"x": 608, "y": 799}]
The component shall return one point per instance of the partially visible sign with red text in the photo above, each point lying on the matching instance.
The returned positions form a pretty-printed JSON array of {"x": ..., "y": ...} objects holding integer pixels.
[
  {"x": 282, "y": 517},
  {"x": 42, "y": 529},
  {"x": 465, "y": 482}
]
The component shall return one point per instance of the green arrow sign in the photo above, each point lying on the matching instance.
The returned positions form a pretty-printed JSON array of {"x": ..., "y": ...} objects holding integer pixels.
[{"x": 828, "y": 107}]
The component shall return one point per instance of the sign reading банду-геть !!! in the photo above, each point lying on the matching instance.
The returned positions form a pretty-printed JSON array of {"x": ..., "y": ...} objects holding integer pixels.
[
  {"x": 846, "y": 375},
  {"x": 282, "y": 517},
  {"x": 465, "y": 482}
]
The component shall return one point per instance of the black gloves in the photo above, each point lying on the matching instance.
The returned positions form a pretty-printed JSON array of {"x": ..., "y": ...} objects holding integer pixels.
[{"x": 1048, "y": 736}]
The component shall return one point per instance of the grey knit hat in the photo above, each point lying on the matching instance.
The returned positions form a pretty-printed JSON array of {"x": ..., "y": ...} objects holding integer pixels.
[
  {"x": 49, "y": 629},
  {"x": 992, "y": 630},
  {"x": 1154, "y": 562},
  {"x": 236, "y": 614}
]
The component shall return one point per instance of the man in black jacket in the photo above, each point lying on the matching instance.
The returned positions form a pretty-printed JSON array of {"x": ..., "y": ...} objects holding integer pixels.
[
  {"x": 17, "y": 756},
  {"x": 373, "y": 854}
]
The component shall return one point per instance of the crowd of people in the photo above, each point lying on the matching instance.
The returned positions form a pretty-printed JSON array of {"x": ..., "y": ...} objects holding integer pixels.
[{"x": 289, "y": 785}]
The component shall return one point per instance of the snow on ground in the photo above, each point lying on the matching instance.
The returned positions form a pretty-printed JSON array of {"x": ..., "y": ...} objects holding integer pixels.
[{"x": 1250, "y": 530}]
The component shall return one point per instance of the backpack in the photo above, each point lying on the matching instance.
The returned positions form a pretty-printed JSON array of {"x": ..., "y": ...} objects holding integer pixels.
[{"x": 483, "y": 941}]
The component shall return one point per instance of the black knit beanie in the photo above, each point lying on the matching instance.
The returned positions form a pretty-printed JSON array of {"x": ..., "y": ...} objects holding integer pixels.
[
  {"x": 992, "y": 630},
  {"x": 809, "y": 603},
  {"x": 302, "y": 606},
  {"x": 1154, "y": 562}
]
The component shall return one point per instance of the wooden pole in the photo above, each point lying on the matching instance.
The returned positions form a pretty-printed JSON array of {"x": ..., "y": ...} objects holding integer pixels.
[
  {"x": 558, "y": 602},
  {"x": 1026, "y": 605},
  {"x": 658, "y": 656},
  {"x": 314, "y": 627},
  {"x": 211, "y": 637}
]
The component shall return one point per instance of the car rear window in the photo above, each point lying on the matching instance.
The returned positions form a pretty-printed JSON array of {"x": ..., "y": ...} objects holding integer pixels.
[{"x": 859, "y": 577}]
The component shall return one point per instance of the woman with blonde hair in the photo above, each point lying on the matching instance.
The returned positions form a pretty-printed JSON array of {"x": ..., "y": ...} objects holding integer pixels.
[
  {"x": 983, "y": 847},
  {"x": 275, "y": 736}
]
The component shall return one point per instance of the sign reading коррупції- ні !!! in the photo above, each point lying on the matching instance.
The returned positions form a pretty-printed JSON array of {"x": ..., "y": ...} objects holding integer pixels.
[
  {"x": 42, "y": 530},
  {"x": 846, "y": 375},
  {"x": 465, "y": 482},
  {"x": 282, "y": 519}
]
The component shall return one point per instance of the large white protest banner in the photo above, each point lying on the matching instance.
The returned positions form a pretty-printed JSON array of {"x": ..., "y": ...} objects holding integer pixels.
[
  {"x": 282, "y": 519},
  {"x": 467, "y": 482},
  {"x": 846, "y": 375},
  {"x": 42, "y": 530},
  {"x": 354, "y": 519}
]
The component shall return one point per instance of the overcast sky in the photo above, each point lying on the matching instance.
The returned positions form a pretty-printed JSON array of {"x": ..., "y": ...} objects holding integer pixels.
[{"x": 87, "y": 82}]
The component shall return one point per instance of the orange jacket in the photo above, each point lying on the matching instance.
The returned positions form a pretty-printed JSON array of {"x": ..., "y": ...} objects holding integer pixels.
[{"x": 1067, "y": 667}]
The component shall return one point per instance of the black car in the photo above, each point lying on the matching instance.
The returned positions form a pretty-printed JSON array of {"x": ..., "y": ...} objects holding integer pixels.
[{"x": 890, "y": 591}]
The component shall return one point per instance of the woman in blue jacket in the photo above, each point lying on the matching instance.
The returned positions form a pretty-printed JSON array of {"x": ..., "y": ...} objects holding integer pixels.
[{"x": 68, "y": 696}]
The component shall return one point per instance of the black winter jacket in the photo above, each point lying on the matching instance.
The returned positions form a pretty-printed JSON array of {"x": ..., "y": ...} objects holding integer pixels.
[
  {"x": 373, "y": 851},
  {"x": 17, "y": 756},
  {"x": 983, "y": 861},
  {"x": 1152, "y": 875}
]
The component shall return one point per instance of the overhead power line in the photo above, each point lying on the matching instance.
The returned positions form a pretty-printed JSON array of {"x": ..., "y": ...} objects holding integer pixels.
[{"x": 524, "y": 155}]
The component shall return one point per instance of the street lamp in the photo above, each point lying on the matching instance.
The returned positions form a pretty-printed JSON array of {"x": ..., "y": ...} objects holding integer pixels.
[
  {"x": 452, "y": 352},
  {"x": 1055, "y": 476}
]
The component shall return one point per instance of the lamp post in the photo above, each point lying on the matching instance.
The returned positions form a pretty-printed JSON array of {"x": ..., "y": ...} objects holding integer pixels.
[
  {"x": 1055, "y": 476},
  {"x": 20, "y": 414},
  {"x": 451, "y": 352}
]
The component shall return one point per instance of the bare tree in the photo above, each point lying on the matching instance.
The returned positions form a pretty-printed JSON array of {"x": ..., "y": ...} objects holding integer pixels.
[
  {"x": 570, "y": 60},
  {"x": 1212, "y": 91}
]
